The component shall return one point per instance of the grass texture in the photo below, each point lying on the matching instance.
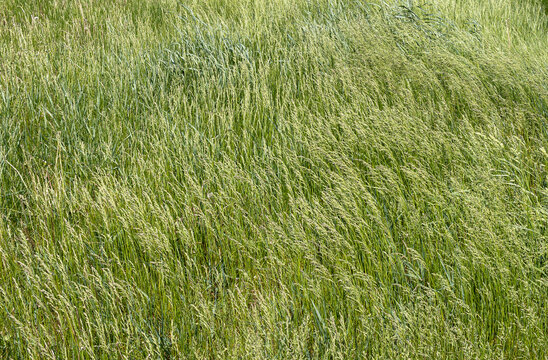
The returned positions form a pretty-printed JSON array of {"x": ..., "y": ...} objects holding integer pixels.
[{"x": 252, "y": 179}]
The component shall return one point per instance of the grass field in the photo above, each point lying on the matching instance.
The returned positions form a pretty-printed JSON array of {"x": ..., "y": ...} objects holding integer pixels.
[{"x": 304, "y": 179}]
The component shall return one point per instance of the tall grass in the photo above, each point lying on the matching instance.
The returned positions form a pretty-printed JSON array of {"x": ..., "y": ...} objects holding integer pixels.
[{"x": 273, "y": 179}]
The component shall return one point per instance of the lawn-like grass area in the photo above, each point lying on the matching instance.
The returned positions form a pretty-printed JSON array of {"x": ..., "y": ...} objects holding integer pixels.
[{"x": 304, "y": 179}]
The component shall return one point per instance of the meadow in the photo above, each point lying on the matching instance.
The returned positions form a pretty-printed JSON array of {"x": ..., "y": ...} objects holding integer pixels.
[{"x": 281, "y": 179}]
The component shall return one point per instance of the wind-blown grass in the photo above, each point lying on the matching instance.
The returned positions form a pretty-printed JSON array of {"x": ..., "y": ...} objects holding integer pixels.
[{"x": 273, "y": 179}]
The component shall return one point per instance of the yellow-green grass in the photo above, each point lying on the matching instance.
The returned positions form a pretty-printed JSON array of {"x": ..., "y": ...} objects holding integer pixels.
[{"x": 273, "y": 179}]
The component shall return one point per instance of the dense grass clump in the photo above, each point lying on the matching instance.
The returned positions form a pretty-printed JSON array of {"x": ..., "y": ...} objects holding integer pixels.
[{"x": 322, "y": 179}]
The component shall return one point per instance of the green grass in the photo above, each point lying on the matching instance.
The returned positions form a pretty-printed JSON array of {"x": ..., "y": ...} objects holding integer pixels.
[{"x": 319, "y": 179}]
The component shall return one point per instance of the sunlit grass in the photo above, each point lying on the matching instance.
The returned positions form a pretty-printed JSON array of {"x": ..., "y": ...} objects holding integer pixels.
[{"x": 273, "y": 179}]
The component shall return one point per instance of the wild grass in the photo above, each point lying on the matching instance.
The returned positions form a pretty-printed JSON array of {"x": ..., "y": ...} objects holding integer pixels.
[{"x": 274, "y": 179}]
